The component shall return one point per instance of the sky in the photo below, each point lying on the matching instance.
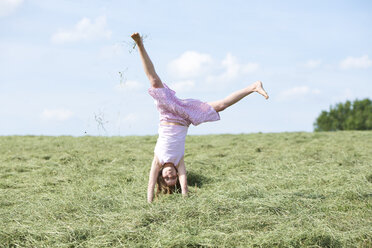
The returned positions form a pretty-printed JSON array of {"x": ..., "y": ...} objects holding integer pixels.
[{"x": 69, "y": 67}]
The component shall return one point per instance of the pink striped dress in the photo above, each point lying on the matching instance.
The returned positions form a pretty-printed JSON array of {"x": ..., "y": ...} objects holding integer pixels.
[
  {"x": 183, "y": 111},
  {"x": 170, "y": 146}
]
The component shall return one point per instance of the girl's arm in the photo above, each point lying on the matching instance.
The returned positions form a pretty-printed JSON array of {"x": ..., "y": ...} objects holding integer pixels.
[
  {"x": 182, "y": 177},
  {"x": 146, "y": 62},
  {"x": 152, "y": 179}
]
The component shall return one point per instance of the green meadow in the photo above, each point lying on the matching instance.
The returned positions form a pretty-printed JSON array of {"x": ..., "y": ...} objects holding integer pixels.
[{"x": 247, "y": 190}]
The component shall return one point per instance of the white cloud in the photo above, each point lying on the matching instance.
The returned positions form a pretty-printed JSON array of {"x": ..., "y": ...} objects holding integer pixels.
[
  {"x": 131, "y": 117},
  {"x": 313, "y": 63},
  {"x": 7, "y": 7},
  {"x": 84, "y": 30},
  {"x": 183, "y": 86},
  {"x": 129, "y": 120},
  {"x": 345, "y": 94},
  {"x": 112, "y": 51},
  {"x": 249, "y": 68},
  {"x": 129, "y": 85},
  {"x": 56, "y": 114},
  {"x": 193, "y": 64},
  {"x": 190, "y": 64},
  {"x": 233, "y": 69},
  {"x": 297, "y": 92},
  {"x": 356, "y": 62}
]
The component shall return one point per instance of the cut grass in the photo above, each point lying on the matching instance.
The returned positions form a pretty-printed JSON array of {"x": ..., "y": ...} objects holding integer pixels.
[{"x": 255, "y": 190}]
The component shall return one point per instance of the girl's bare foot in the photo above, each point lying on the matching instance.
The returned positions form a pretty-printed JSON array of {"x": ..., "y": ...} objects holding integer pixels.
[
  {"x": 137, "y": 38},
  {"x": 259, "y": 89}
]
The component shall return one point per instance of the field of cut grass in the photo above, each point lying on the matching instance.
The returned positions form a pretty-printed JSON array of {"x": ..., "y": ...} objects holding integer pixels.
[{"x": 248, "y": 190}]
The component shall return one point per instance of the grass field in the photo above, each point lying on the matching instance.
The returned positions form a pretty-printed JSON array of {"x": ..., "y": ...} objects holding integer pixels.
[{"x": 249, "y": 190}]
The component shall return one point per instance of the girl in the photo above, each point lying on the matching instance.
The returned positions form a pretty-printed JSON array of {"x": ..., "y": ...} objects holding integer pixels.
[{"x": 168, "y": 167}]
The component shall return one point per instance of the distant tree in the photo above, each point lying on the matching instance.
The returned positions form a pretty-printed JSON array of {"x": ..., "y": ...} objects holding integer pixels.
[{"x": 346, "y": 116}]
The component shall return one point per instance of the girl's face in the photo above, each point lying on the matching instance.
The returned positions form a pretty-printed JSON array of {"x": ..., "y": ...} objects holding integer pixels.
[{"x": 169, "y": 174}]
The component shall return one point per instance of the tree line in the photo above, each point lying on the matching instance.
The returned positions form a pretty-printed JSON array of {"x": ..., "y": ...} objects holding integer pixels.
[{"x": 356, "y": 115}]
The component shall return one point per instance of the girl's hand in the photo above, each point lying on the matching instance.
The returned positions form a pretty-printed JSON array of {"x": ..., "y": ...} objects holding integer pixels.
[
  {"x": 137, "y": 38},
  {"x": 182, "y": 177}
]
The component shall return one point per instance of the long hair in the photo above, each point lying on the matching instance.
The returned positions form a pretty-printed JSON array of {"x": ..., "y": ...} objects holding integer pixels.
[{"x": 162, "y": 187}]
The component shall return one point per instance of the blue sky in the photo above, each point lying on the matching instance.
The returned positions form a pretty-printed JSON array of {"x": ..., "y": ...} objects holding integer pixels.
[{"x": 61, "y": 62}]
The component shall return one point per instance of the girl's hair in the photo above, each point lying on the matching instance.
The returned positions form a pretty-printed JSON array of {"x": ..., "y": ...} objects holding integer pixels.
[{"x": 163, "y": 187}]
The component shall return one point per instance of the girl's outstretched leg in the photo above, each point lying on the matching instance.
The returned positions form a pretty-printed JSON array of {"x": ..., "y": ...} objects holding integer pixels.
[{"x": 238, "y": 95}]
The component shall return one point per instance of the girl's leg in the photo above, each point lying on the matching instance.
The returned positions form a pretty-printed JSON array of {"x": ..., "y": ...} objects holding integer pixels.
[
  {"x": 146, "y": 62},
  {"x": 238, "y": 95}
]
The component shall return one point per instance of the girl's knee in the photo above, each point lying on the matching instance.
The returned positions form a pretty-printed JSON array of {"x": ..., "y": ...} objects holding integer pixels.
[{"x": 221, "y": 107}]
